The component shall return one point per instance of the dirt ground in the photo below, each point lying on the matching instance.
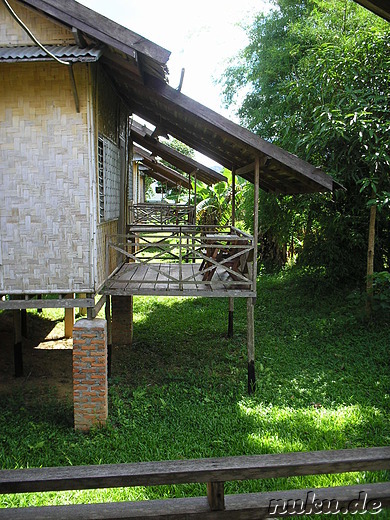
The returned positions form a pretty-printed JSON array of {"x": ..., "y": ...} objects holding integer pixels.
[{"x": 47, "y": 357}]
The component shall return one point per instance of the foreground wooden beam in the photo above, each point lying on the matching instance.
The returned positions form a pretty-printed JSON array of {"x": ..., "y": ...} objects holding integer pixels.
[
  {"x": 197, "y": 470},
  {"x": 249, "y": 506},
  {"x": 332, "y": 500}
]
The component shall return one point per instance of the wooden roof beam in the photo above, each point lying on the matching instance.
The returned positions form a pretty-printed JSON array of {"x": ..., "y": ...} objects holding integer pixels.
[
  {"x": 159, "y": 131},
  {"x": 79, "y": 38},
  {"x": 158, "y": 177},
  {"x": 379, "y": 7},
  {"x": 235, "y": 134},
  {"x": 167, "y": 172},
  {"x": 143, "y": 136},
  {"x": 98, "y": 26}
]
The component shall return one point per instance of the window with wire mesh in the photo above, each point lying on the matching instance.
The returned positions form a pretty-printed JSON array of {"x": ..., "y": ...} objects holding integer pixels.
[
  {"x": 101, "y": 177},
  {"x": 109, "y": 179}
]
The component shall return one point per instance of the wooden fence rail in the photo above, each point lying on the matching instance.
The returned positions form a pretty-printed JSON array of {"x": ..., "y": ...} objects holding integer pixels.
[
  {"x": 161, "y": 214},
  {"x": 214, "y": 472},
  {"x": 221, "y": 258}
]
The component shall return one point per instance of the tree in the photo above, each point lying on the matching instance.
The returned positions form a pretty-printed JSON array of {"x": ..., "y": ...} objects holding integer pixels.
[
  {"x": 180, "y": 147},
  {"x": 214, "y": 203},
  {"x": 319, "y": 82}
]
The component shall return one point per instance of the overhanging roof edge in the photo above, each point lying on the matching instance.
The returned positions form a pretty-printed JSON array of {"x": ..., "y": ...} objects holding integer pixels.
[
  {"x": 378, "y": 7},
  {"x": 100, "y": 27},
  {"x": 240, "y": 134}
]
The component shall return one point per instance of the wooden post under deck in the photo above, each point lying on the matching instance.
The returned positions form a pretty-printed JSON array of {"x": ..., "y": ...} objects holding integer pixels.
[
  {"x": 231, "y": 300},
  {"x": 109, "y": 335},
  {"x": 18, "y": 353},
  {"x": 39, "y": 297},
  {"x": 24, "y": 322},
  {"x": 231, "y": 318},
  {"x": 251, "y": 301},
  {"x": 69, "y": 319},
  {"x": 251, "y": 344},
  {"x": 82, "y": 310}
]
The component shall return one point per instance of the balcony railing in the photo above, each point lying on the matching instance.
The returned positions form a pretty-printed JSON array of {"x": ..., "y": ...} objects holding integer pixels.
[
  {"x": 161, "y": 214},
  {"x": 182, "y": 258}
]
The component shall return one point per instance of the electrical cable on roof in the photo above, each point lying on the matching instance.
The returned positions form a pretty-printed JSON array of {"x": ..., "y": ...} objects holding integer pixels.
[{"x": 34, "y": 39}]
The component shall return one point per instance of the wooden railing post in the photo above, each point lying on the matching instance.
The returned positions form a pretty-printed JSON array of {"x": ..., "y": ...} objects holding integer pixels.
[
  {"x": 180, "y": 259},
  {"x": 107, "y": 257},
  {"x": 256, "y": 220},
  {"x": 233, "y": 196},
  {"x": 216, "y": 496}
]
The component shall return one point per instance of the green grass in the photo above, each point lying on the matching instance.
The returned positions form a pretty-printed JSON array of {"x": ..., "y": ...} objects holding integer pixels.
[{"x": 323, "y": 382}]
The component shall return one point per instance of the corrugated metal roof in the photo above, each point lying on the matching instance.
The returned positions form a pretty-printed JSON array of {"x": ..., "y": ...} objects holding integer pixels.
[{"x": 70, "y": 53}]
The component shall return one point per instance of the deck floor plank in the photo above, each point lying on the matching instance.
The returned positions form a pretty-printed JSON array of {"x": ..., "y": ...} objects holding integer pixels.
[{"x": 143, "y": 279}]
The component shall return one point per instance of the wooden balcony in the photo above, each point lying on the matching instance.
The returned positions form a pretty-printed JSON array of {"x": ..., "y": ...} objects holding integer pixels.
[
  {"x": 209, "y": 261},
  {"x": 161, "y": 214}
]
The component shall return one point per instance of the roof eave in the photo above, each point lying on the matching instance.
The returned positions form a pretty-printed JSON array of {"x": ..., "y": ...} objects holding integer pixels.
[
  {"x": 378, "y": 7},
  {"x": 101, "y": 28},
  {"x": 244, "y": 146}
]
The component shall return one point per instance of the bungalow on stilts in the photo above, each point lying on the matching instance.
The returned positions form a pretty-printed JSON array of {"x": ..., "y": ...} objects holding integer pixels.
[{"x": 71, "y": 82}]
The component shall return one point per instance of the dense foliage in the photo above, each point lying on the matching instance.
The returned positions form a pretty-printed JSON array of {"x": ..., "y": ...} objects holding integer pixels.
[
  {"x": 214, "y": 203},
  {"x": 317, "y": 81}
]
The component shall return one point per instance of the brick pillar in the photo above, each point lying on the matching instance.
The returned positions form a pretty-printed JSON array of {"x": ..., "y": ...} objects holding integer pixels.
[
  {"x": 122, "y": 319},
  {"x": 90, "y": 389}
]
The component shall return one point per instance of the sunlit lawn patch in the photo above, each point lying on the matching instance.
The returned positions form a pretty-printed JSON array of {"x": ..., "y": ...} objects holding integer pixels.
[{"x": 180, "y": 391}]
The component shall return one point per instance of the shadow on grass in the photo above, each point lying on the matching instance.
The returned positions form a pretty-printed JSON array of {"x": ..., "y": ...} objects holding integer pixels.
[
  {"x": 47, "y": 364},
  {"x": 321, "y": 380},
  {"x": 307, "y": 353},
  {"x": 180, "y": 391}
]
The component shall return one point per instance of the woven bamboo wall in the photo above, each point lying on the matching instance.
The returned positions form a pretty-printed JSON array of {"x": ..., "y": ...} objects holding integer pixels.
[
  {"x": 45, "y": 30},
  {"x": 44, "y": 178},
  {"x": 108, "y": 108},
  {"x": 112, "y": 124},
  {"x": 105, "y": 229}
]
